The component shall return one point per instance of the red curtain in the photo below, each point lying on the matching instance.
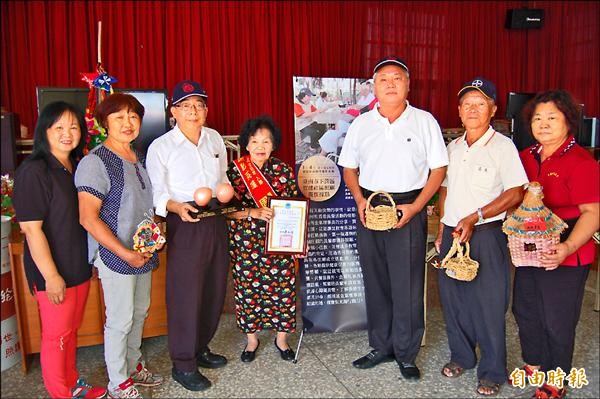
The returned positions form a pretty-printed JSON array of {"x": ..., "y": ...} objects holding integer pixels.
[{"x": 246, "y": 53}]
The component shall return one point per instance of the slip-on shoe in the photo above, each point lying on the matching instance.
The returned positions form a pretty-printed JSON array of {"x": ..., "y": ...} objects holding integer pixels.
[
  {"x": 372, "y": 359},
  {"x": 409, "y": 371},
  {"x": 191, "y": 380},
  {"x": 209, "y": 360},
  {"x": 287, "y": 354},
  {"x": 248, "y": 356}
]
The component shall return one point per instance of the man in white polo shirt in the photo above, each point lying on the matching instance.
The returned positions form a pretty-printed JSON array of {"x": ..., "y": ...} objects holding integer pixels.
[
  {"x": 399, "y": 149},
  {"x": 485, "y": 178}
]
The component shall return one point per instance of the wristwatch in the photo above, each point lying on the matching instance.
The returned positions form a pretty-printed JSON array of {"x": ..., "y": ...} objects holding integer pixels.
[{"x": 480, "y": 214}]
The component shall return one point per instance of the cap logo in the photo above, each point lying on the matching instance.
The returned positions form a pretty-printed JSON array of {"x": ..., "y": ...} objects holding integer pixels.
[
  {"x": 477, "y": 83},
  {"x": 188, "y": 88}
]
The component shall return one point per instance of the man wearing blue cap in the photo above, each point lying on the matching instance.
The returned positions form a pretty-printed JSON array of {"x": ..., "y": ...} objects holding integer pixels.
[
  {"x": 398, "y": 149},
  {"x": 185, "y": 158},
  {"x": 485, "y": 178}
]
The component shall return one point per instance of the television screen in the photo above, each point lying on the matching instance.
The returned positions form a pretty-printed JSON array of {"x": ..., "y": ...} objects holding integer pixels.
[
  {"x": 514, "y": 105},
  {"x": 72, "y": 95},
  {"x": 154, "y": 123}
]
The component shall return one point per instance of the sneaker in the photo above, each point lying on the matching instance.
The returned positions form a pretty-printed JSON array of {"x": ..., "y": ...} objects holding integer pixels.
[
  {"x": 84, "y": 390},
  {"x": 145, "y": 378},
  {"x": 125, "y": 389}
]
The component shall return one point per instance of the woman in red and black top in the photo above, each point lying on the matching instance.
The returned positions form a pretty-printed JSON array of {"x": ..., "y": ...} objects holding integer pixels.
[
  {"x": 55, "y": 258},
  {"x": 547, "y": 301}
]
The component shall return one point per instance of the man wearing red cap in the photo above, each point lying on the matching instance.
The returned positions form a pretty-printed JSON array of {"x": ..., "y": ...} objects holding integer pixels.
[
  {"x": 185, "y": 158},
  {"x": 398, "y": 149}
]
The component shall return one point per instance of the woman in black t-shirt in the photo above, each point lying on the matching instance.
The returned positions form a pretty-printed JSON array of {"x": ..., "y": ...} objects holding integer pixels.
[{"x": 45, "y": 201}]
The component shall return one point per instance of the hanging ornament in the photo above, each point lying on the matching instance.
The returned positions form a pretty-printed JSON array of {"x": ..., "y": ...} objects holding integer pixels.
[
  {"x": 104, "y": 81},
  {"x": 89, "y": 77},
  {"x": 100, "y": 83}
]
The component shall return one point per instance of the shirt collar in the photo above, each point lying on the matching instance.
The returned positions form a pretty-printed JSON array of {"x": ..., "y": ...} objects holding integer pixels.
[
  {"x": 54, "y": 163},
  {"x": 536, "y": 149},
  {"x": 180, "y": 138},
  {"x": 382, "y": 118},
  {"x": 482, "y": 141}
]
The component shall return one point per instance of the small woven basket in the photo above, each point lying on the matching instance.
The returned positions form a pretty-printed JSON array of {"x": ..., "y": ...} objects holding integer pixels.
[
  {"x": 381, "y": 217},
  {"x": 532, "y": 228},
  {"x": 460, "y": 267}
]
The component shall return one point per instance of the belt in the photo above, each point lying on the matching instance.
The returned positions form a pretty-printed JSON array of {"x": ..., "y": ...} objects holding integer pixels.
[
  {"x": 399, "y": 198},
  {"x": 484, "y": 226},
  {"x": 487, "y": 226}
]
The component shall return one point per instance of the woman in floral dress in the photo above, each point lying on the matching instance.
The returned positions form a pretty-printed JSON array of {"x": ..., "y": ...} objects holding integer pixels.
[{"x": 264, "y": 285}]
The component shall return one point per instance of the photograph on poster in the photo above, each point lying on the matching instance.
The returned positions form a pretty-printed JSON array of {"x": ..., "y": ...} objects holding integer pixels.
[{"x": 324, "y": 108}]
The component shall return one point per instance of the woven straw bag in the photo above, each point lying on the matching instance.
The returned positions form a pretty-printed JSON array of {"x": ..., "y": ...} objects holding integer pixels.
[
  {"x": 381, "y": 217},
  {"x": 461, "y": 267}
]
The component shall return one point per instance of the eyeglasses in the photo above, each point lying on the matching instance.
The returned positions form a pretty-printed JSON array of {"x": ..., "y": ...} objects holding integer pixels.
[{"x": 187, "y": 107}]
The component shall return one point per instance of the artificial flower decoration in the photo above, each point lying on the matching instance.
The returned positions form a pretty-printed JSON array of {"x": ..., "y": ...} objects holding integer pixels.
[{"x": 7, "y": 184}]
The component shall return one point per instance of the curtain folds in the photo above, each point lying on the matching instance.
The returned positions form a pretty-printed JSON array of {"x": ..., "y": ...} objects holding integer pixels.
[{"x": 246, "y": 53}]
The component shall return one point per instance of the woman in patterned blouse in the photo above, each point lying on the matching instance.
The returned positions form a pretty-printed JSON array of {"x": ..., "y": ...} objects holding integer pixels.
[{"x": 264, "y": 285}]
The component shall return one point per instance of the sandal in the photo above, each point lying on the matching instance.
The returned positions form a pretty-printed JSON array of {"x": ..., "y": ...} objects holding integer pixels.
[
  {"x": 487, "y": 384},
  {"x": 454, "y": 370},
  {"x": 549, "y": 392},
  {"x": 528, "y": 372}
]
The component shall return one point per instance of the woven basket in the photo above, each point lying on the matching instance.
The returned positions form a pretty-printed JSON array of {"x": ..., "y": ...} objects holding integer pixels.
[
  {"x": 461, "y": 267},
  {"x": 532, "y": 228},
  {"x": 381, "y": 217}
]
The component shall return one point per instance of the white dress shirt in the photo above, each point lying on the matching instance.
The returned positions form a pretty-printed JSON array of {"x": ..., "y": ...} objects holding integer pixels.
[
  {"x": 478, "y": 174},
  {"x": 177, "y": 167},
  {"x": 394, "y": 157}
]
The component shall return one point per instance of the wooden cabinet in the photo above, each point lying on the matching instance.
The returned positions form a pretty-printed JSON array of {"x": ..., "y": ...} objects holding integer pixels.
[{"x": 91, "y": 331}]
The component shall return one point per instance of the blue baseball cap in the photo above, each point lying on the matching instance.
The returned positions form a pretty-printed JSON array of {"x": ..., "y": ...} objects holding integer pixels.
[
  {"x": 483, "y": 85},
  {"x": 185, "y": 89},
  {"x": 391, "y": 60}
]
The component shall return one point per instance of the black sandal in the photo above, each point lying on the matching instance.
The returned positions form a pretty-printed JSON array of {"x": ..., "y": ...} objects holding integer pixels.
[
  {"x": 454, "y": 368},
  {"x": 492, "y": 386}
]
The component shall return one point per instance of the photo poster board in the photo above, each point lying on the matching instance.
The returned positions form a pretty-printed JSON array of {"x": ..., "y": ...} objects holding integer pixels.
[{"x": 331, "y": 281}]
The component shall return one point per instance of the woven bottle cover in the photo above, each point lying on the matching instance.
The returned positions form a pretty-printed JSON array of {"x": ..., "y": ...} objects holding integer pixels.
[
  {"x": 533, "y": 218},
  {"x": 532, "y": 229}
]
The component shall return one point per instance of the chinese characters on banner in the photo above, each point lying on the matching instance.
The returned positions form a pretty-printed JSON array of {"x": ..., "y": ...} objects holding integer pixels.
[
  {"x": 10, "y": 339},
  {"x": 332, "y": 291}
]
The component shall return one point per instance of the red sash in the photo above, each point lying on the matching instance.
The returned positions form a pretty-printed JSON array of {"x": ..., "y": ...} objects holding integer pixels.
[{"x": 258, "y": 186}]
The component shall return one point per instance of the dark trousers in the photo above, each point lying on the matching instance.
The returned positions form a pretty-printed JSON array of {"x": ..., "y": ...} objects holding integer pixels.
[
  {"x": 547, "y": 306},
  {"x": 475, "y": 310},
  {"x": 197, "y": 264},
  {"x": 393, "y": 267}
]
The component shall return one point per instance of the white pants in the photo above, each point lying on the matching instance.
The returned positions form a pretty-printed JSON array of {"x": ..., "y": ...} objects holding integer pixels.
[{"x": 127, "y": 299}]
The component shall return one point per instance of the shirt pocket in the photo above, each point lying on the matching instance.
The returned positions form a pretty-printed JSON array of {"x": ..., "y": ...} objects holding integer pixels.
[{"x": 484, "y": 176}]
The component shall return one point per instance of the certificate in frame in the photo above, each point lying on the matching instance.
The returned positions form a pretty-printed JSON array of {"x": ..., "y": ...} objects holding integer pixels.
[{"x": 288, "y": 229}]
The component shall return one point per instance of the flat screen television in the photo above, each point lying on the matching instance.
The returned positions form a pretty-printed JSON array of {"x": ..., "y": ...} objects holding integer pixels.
[
  {"x": 154, "y": 123},
  {"x": 73, "y": 95},
  {"x": 518, "y": 127}
]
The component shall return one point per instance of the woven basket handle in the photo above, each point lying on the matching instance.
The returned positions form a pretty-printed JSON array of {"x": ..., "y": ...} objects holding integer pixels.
[
  {"x": 467, "y": 249},
  {"x": 451, "y": 252},
  {"x": 382, "y": 193},
  {"x": 456, "y": 249}
]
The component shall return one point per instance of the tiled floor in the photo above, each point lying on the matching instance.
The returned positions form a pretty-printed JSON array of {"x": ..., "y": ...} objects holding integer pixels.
[{"x": 324, "y": 368}]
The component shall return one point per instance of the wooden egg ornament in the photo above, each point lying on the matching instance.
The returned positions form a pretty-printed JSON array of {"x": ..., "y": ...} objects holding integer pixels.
[
  {"x": 224, "y": 192},
  {"x": 202, "y": 196}
]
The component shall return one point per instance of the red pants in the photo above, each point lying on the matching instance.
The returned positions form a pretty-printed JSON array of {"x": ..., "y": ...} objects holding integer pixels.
[{"x": 59, "y": 339}]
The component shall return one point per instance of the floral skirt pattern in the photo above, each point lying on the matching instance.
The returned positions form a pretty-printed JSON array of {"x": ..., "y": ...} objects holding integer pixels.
[{"x": 264, "y": 285}]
